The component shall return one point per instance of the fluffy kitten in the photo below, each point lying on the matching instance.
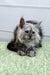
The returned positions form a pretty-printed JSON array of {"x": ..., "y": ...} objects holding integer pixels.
[{"x": 27, "y": 38}]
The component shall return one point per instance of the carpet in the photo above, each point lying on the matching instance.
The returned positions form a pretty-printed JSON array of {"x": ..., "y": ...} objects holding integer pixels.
[{"x": 13, "y": 64}]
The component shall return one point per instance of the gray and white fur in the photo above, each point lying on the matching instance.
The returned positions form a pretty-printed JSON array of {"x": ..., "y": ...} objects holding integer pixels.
[{"x": 30, "y": 37}]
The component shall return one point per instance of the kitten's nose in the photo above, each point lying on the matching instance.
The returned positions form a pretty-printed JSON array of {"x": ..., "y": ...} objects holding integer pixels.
[{"x": 30, "y": 36}]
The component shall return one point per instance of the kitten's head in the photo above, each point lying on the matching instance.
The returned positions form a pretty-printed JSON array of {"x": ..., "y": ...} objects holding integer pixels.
[{"x": 31, "y": 31}]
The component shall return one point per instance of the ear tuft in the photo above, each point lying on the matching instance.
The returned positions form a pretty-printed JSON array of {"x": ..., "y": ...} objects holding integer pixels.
[
  {"x": 40, "y": 22},
  {"x": 22, "y": 22}
]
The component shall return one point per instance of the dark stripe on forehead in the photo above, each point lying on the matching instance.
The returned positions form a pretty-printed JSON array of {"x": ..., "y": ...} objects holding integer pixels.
[{"x": 32, "y": 22}]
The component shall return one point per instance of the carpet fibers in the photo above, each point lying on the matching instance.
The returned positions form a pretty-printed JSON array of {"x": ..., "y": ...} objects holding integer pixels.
[{"x": 13, "y": 64}]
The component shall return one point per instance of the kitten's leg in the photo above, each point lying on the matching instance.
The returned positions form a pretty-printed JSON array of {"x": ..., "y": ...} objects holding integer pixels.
[
  {"x": 31, "y": 52},
  {"x": 22, "y": 50}
]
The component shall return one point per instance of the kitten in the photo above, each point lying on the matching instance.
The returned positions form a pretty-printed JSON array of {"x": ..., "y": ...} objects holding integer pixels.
[{"x": 27, "y": 38}]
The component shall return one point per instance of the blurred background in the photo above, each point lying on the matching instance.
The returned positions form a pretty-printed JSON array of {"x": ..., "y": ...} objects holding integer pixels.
[{"x": 12, "y": 10}]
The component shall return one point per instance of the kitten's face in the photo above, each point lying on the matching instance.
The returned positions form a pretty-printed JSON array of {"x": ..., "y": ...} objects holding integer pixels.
[{"x": 30, "y": 32}]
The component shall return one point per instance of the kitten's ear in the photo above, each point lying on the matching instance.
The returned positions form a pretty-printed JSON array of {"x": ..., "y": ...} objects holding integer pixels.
[
  {"x": 22, "y": 22},
  {"x": 39, "y": 22}
]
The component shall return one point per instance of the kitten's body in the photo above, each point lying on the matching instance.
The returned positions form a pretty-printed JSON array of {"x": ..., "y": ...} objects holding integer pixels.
[{"x": 29, "y": 37}]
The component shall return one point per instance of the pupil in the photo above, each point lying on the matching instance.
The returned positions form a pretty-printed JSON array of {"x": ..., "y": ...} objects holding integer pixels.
[
  {"x": 33, "y": 32},
  {"x": 26, "y": 31}
]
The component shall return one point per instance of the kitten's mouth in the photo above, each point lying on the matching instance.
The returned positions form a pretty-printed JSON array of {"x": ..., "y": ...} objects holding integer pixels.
[{"x": 29, "y": 40}]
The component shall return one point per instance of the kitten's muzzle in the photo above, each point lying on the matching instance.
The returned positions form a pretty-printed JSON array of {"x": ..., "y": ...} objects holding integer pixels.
[{"x": 30, "y": 35}]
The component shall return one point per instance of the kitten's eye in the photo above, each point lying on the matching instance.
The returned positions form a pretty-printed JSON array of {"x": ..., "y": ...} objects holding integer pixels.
[
  {"x": 33, "y": 32},
  {"x": 27, "y": 31}
]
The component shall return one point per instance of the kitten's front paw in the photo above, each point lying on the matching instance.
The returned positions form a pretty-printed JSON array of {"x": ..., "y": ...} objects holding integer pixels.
[
  {"x": 21, "y": 53},
  {"x": 31, "y": 52}
]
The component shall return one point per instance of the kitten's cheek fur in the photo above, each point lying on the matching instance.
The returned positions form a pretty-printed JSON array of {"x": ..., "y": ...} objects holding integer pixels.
[
  {"x": 38, "y": 38},
  {"x": 21, "y": 41},
  {"x": 20, "y": 38},
  {"x": 26, "y": 37}
]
